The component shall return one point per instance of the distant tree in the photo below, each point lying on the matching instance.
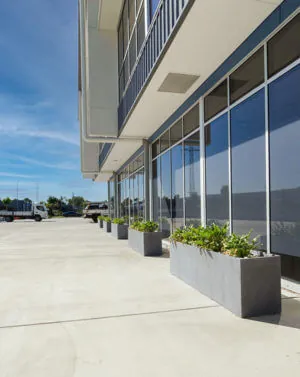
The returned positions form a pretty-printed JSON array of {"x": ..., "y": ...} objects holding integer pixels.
[
  {"x": 77, "y": 202},
  {"x": 27, "y": 200},
  {"x": 6, "y": 201}
]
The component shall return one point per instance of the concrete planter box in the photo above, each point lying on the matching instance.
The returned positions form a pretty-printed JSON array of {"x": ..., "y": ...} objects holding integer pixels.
[
  {"x": 106, "y": 227},
  {"x": 145, "y": 243},
  {"x": 100, "y": 222},
  {"x": 119, "y": 231},
  {"x": 246, "y": 287}
]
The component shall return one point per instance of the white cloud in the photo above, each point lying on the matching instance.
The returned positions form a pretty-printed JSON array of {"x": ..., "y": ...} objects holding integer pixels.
[
  {"x": 59, "y": 165},
  {"x": 15, "y": 130},
  {"x": 16, "y": 175}
]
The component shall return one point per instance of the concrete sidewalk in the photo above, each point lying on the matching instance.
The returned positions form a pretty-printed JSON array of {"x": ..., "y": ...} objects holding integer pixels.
[{"x": 76, "y": 302}]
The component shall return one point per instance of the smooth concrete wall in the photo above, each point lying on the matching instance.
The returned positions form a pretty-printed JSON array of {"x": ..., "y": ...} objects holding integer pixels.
[{"x": 102, "y": 82}]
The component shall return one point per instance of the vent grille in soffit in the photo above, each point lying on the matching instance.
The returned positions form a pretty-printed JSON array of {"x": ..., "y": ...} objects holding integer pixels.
[{"x": 177, "y": 83}]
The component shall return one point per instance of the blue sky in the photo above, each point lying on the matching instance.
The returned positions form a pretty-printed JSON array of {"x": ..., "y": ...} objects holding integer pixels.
[{"x": 39, "y": 132}]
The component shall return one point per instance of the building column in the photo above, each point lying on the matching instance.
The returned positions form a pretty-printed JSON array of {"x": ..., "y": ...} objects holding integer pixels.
[
  {"x": 146, "y": 179},
  {"x": 116, "y": 203}
]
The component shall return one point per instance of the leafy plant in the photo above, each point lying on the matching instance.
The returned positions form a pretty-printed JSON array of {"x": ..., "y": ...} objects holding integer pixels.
[
  {"x": 145, "y": 226},
  {"x": 101, "y": 217},
  {"x": 107, "y": 219},
  {"x": 216, "y": 238},
  {"x": 210, "y": 238},
  {"x": 240, "y": 246},
  {"x": 118, "y": 220}
]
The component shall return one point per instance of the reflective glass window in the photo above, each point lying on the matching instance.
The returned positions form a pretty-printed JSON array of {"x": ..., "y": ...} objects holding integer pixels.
[
  {"x": 121, "y": 84},
  {"x": 248, "y": 76},
  {"x": 191, "y": 120},
  {"x": 249, "y": 167},
  {"x": 125, "y": 25},
  {"x": 126, "y": 197},
  {"x": 131, "y": 4},
  {"x": 153, "y": 4},
  {"x": 132, "y": 50},
  {"x": 141, "y": 194},
  {"x": 138, "y": 4},
  {"x": 156, "y": 189},
  {"x": 140, "y": 31},
  {"x": 217, "y": 171},
  {"x": 177, "y": 187},
  {"x": 216, "y": 101},
  {"x": 284, "y": 120},
  {"x": 135, "y": 196},
  {"x": 165, "y": 141},
  {"x": 176, "y": 132},
  {"x": 131, "y": 197},
  {"x": 166, "y": 194},
  {"x": 192, "y": 179},
  {"x": 126, "y": 70},
  {"x": 284, "y": 47},
  {"x": 155, "y": 149},
  {"x": 112, "y": 198},
  {"x": 120, "y": 45}
]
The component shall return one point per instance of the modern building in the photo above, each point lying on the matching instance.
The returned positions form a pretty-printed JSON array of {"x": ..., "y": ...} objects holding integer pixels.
[{"x": 190, "y": 110}]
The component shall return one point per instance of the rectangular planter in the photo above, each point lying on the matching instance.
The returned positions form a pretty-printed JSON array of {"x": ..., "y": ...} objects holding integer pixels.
[
  {"x": 119, "y": 231},
  {"x": 248, "y": 287},
  {"x": 106, "y": 227},
  {"x": 100, "y": 222},
  {"x": 145, "y": 243}
]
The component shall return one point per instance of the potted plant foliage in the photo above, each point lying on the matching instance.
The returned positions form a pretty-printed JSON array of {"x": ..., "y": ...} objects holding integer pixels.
[
  {"x": 143, "y": 237},
  {"x": 119, "y": 229},
  {"x": 107, "y": 224},
  {"x": 100, "y": 221},
  {"x": 228, "y": 269}
]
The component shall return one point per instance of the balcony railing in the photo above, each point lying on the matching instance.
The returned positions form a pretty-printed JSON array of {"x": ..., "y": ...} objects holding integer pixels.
[{"x": 162, "y": 27}]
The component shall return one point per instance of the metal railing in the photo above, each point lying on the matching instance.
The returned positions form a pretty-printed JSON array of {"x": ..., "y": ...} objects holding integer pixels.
[{"x": 164, "y": 22}]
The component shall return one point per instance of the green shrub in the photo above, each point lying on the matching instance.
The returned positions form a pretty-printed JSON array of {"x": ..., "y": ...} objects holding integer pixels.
[
  {"x": 107, "y": 219},
  {"x": 240, "y": 246},
  {"x": 216, "y": 238},
  {"x": 101, "y": 217},
  {"x": 145, "y": 226},
  {"x": 210, "y": 238},
  {"x": 118, "y": 220}
]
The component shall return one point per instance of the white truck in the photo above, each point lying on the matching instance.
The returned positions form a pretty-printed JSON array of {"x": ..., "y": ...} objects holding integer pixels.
[
  {"x": 35, "y": 211},
  {"x": 93, "y": 210}
]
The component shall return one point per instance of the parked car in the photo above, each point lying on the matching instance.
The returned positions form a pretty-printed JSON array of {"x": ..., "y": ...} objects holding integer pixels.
[
  {"x": 72, "y": 214},
  {"x": 93, "y": 210}
]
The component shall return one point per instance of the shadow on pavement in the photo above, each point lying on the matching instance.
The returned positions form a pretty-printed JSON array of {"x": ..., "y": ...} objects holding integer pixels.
[{"x": 289, "y": 317}]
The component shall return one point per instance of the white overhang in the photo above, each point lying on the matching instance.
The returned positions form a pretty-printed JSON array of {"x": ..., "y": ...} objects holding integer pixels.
[
  {"x": 98, "y": 86},
  {"x": 109, "y": 13},
  {"x": 210, "y": 33}
]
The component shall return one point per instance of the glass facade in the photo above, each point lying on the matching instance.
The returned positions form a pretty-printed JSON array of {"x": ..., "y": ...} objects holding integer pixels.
[
  {"x": 217, "y": 171},
  {"x": 131, "y": 190},
  {"x": 165, "y": 215},
  {"x": 250, "y": 122},
  {"x": 153, "y": 4},
  {"x": 131, "y": 35},
  {"x": 177, "y": 186},
  {"x": 192, "y": 179},
  {"x": 249, "y": 167},
  {"x": 156, "y": 190},
  {"x": 176, "y": 175},
  {"x": 284, "y": 108},
  {"x": 111, "y": 198}
]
